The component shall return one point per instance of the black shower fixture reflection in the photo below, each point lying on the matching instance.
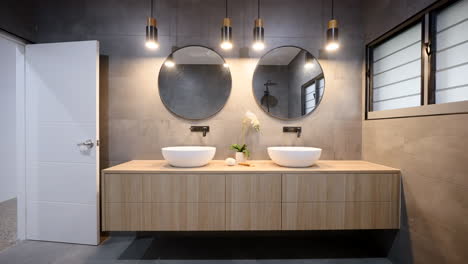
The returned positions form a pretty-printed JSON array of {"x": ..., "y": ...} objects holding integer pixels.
[{"x": 269, "y": 100}]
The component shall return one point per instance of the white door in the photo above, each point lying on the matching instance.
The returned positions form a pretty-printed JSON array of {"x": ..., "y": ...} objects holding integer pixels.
[{"x": 62, "y": 183}]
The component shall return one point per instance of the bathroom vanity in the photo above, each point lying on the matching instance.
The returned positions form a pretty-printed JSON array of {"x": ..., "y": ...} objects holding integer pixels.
[{"x": 150, "y": 195}]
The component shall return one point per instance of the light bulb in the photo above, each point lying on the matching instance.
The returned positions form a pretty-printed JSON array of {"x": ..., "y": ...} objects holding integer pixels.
[
  {"x": 332, "y": 46},
  {"x": 226, "y": 45},
  {"x": 152, "y": 45},
  {"x": 169, "y": 63},
  {"x": 226, "y": 65},
  {"x": 309, "y": 65},
  {"x": 258, "y": 45}
]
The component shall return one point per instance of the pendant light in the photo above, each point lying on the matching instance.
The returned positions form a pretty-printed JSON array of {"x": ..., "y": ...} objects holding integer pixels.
[
  {"x": 309, "y": 60},
  {"x": 332, "y": 32},
  {"x": 170, "y": 61},
  {"x": 258, "y": 32},
  {"x": 226, "y": 31},
  {"x": 151, "y": 31}
]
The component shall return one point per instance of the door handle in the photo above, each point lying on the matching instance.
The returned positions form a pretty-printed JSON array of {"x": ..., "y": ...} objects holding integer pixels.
[{"x": 88, "y": 143}]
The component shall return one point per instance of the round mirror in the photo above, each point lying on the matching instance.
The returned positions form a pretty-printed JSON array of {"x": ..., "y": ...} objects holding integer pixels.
[
  {"x": 194, "y": 82},
  {"x": 288, "y": 82}
]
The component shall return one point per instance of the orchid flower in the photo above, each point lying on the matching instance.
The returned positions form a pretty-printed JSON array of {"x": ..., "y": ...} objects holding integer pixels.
[{"x": 252, "y": 119}]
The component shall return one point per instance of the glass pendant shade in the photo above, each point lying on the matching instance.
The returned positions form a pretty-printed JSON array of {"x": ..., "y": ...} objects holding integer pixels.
[
  {"x": 258, "y": 35},
  {"x": 309, "y": 60},
  {"x": 151, "y": 34},
  {"x": 226, "y": 34},
  {"x": 332, "y": 36},
  {"x": 169, "y": 62}
]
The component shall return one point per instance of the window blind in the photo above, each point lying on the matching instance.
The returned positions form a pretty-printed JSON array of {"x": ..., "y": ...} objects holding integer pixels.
[
  {"x": 452, "y": 53},
  {"x": 310, "y": 94},
  {"x": 396, "y": 71}
]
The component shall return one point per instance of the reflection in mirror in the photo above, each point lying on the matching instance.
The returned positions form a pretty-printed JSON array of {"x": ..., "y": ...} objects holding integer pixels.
[
  {"x": 288, "y": 82},
  {"x": 194, "y": 82}
]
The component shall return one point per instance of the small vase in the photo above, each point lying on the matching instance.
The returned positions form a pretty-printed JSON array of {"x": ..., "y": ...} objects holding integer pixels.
[{"x": 240, "y": 157}]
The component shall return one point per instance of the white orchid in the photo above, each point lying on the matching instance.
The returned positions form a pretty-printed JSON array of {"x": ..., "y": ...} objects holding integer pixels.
[{"x": 252, "y": 118}]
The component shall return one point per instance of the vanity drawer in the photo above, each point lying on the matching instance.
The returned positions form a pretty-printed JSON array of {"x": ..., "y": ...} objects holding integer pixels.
[
  {"x": 122, "y": 216},
  {"x": 372, "y": 187},
  {"x": 184, "y": 216},
  {"x": 313, "y": 187},
  {"x": 184, "y": 188},
  {"x": 372, "y": 215},
  {"x": 122, "y": 188},
  {"x": 340, "y": 215},
  {"x": 313, "y": 216},
  {"x": 341, "y": 187},
  {"x": 253, "y": 216},
  {"x": 245, "y": 188}
]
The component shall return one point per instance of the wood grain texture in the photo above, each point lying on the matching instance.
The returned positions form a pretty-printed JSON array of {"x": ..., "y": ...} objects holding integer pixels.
[
  {"x": 340, "y": 215},
  {"x": 200, "y": 201},
  {"x": 372, "y": 215},
  {"x": 184, "y": 216},
  {"x": 183, "y": 188},
  {"x": 253, "y": 216},
  {"x": 372, "y": 187},
  {"x": 122, "y": 188},
  {"x": 122, "y": 217},
  {"x": 253, "y": 188},
  {"x": 260, "y": 166},
  {"x": 313, "y": 187},
  {"x": 313, "y": 216}
]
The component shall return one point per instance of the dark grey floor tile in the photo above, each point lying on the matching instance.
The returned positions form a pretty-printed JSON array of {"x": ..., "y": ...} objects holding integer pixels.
[
  {"x": 326, "y": 261},
  {"x": 34, "y": 252},
  {"x": 200, "y": 261},
  {"x": 111, "y": 249}
]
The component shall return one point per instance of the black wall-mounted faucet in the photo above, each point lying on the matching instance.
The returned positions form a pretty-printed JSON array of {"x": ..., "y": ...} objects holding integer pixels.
[
  {"x": 297, "y": 130},
  {"x": 204, "y": 129}
]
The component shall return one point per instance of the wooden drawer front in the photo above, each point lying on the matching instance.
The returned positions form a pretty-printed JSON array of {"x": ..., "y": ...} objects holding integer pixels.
[
  {"x": 372, "y": 187},
  {"x": 253, "y": 216},
  {"x": 183, "y": 216},
  {"x": 244, "y": 188},
  {"x": 122, "y": 217},
  {"x": 372, "y": 215},
  {"x": 183, "y": 188},
  {"x": 313, "y": 187},
  {"x": 122, "y": 188},
  {"x": 313, "y": 216},
  {"x": 340, "y": 215}
]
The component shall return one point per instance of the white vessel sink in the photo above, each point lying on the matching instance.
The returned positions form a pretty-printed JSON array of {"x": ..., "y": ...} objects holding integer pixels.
[
  {"x": 192, "y": 156},
  {"x": 294, "y": 156}
]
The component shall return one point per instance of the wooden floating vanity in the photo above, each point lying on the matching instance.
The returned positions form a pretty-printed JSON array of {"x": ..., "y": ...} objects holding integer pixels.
[{"x": 150, "y": 195}]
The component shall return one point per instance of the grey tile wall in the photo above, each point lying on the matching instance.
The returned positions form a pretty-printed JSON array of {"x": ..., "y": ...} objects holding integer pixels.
[{"x": 137, "y": 123}]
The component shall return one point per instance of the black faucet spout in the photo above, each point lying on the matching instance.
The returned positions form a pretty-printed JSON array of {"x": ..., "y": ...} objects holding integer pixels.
[
  {"x": 203, "y": 129},
  {"x": 297, "y": 130}
]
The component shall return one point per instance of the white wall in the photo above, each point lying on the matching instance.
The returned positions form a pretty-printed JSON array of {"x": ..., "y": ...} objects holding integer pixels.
[{"x": 8, "y": 82}]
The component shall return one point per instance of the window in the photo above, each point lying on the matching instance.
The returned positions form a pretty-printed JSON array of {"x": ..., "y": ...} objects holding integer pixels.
[
  {"x": 451, "y": 70},
  {"x": 396, "y": 71},
  {"x": 309, "y": 94},
  {"x": 421, "y": 66}
]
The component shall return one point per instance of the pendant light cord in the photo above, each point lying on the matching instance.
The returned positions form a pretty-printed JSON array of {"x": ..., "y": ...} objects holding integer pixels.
[
  {"x": 152, "y": 4},
  {"x": 258, "y": 8},
  {"x": 332, "y": 7},
  {"x": 226, "y": 8}
]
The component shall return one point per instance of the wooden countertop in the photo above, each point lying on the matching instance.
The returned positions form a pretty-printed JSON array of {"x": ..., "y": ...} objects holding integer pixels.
[{"x": 260, "y": 166}]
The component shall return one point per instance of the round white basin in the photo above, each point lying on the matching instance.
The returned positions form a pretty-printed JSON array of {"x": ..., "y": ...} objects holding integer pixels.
[
  {"x": 294, "y": 156},
  {"x": 192, "y": 156}
]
